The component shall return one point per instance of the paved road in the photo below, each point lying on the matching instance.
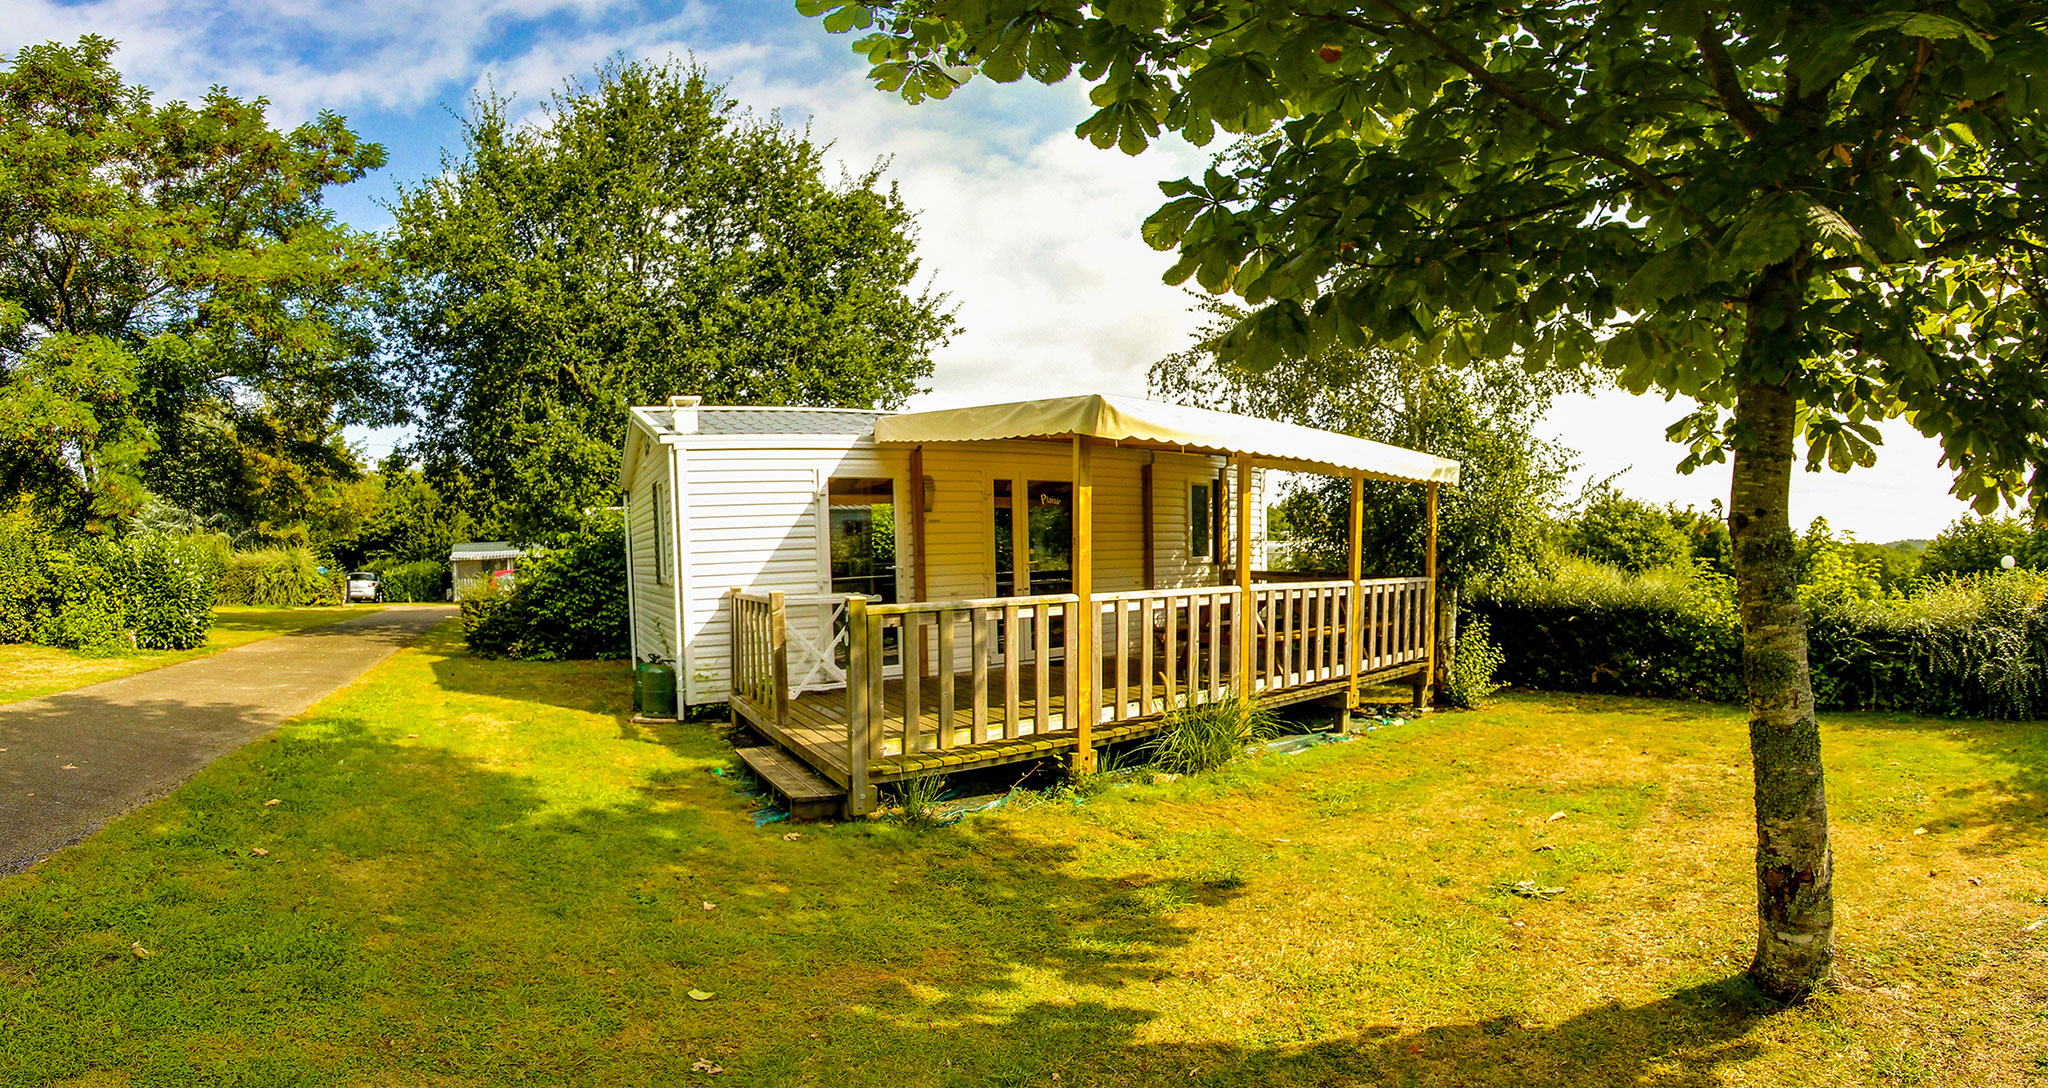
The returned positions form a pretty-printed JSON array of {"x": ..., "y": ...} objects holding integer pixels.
[{"x": 72, "y": 761}]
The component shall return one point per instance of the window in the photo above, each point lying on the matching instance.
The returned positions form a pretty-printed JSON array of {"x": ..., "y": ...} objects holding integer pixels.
[
  {"x": 659, "y": 517},
  {"x": 863, "y": 526},
  {"x": 1202, "y": 522}
]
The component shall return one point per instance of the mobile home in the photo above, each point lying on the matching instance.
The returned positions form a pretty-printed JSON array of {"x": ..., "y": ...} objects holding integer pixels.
[{"x": 889, "y": 594}]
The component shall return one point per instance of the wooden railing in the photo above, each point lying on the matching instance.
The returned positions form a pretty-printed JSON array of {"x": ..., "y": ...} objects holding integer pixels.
[
  {"x": 1160, "y": 648},
  {"x": 965, "y": 671},
  {"x": 939, "y": 675},
  {"x": 760, "y": 651},
  {"x": 1394, "y": 613},
  {"x": 1301, "y": 634}
]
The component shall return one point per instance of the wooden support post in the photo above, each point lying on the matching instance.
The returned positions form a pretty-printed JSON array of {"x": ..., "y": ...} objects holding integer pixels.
[
  {"x": 860, "y": 798},
  {"x": 1081, "y": 625},
  {"x": 778, "y": 653},
  {"x": 1020, "y": 543},
  {"x": 1429, "y": 574},
  {"x": 1145, "y": 520},
  {"x": 1219, "y": 515},
  {"x": 1241, "y": 613},
  {"x": 1354, "y": 620},
  {"x": 913, "y": 650}
]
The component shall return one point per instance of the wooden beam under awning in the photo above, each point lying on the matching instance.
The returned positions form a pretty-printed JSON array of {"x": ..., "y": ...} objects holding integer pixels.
[{"x": 1081, "y": 637}]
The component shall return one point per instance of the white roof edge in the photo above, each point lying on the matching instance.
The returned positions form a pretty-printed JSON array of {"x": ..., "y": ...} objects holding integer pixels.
[{"x": 1116, "y": 418}]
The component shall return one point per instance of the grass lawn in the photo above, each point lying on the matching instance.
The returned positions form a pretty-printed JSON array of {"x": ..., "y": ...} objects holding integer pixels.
[
  {"x": 29, "y": 671},
  {"x": 479, "y": 873}
]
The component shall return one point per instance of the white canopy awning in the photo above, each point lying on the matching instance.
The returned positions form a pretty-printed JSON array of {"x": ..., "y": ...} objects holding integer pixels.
[{"x": 1129, "y": 420}]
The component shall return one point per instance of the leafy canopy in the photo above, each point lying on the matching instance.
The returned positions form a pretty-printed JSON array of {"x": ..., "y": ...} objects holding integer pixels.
[
  {"x": 645, "y": 237},
  {"x": 165, "y": 268},
  {"x": 1493, "y": 522},
  {"x": 1842, "y": 201}
]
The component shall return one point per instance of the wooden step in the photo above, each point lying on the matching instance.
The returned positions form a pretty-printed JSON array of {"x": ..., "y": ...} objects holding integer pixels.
[{"x": 808, "y": 794}]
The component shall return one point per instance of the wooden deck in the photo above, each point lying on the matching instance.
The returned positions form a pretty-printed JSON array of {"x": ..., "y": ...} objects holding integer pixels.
[
  {"x": 951, "y": 686},
  {"x": 817, "y": 730}
]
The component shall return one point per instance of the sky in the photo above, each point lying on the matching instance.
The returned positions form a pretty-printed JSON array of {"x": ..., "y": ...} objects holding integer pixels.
[{"x": 1030, "y": 231}]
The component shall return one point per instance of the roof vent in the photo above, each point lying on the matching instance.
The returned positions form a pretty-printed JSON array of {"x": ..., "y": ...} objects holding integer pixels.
[{"x": 684, "y": 411}]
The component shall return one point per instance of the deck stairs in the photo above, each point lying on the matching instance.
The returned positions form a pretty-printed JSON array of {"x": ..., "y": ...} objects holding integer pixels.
[{"x": 807, "y": 793}]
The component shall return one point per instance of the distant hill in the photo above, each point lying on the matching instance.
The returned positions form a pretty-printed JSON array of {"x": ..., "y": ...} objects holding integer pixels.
[{"x": 1917, "y": 545}]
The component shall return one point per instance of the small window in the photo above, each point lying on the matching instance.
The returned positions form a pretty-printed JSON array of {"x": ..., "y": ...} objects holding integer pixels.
[
  {"x": 863, "y": 535},
  {"x": 1201, "y": 522},
  {"x": 661, "y": 533}
]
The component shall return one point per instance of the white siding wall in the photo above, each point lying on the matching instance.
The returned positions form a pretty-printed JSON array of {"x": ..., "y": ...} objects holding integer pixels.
[
  {"x": 755, "y": 512},
  {"x": 654, "y": 605}
]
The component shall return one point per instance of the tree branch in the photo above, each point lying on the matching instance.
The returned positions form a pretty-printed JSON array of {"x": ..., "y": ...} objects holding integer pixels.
[
  {"x": 1727, "y": 82},
  {"x": 1493, "y": 82}
]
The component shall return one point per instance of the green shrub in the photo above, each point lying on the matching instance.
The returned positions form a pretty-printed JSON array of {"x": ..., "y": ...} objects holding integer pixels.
[
  {"x": 279, "y": 577},
  {"x": 1204, "y": 736},
  {"x": 25, "y": 589},
  {"x": 1974, "y": 647},
  {"x": 1589, "y": 627},
  {"x": 170, "y": 584},
  {"x": 917, "y": 800},
  {"x": 89, "y": 609},
  {"x": 1474, "y": 660},
  {"x": 569, "y": 602},
  {"x": 150, "y": 592},
  {"x": 425, "y": 581}
]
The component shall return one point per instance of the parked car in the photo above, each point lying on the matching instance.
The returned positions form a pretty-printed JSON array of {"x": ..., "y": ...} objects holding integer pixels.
[{"x": 362, "y": 586}]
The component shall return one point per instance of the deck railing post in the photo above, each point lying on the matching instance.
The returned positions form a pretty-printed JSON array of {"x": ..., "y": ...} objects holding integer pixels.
[
  {"x": 778, "y": 654},
  {"x": 738, "y": 631},
  {"x": 859, "y": 795}
]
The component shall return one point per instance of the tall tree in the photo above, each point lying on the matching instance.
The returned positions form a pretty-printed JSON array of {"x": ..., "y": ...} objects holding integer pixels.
[
  {"x": 1482, "y": 416},
  {"x": 1806, "y": 216},
  {"x": 162, "y": 266},
  {"x": 645, "y": 237}
]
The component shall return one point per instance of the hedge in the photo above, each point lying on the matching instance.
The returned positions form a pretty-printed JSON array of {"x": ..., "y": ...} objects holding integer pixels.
[
  {"x": 568, "y": 602},
  {"x": 149, "y": 591},
  {"x": 1975, "y": 647},
  {"x": 279, "y": 576},
  {"x": 422, "y": 582}
]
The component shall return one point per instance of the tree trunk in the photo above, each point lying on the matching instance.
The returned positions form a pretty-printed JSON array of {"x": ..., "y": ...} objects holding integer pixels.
[{"x": 1794, "y": 868}]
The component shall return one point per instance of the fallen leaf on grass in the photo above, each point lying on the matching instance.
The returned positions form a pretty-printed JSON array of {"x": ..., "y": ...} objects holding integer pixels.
[
  {"x": 1919, "y": 831},
  {"x": 141, "y": 953},
  {"x": 1546, "y": 846},
  {"x": 273, "y": 801},
  {"x": 259, "y": 851},
  {"x": 710, "y": 906},
  {"x": 69, "y": 767},
  {"x": 700, "y": 995},
  {"x": 2034, "y": 925},
  {"x": 702, "y": 1066},
  {"x": 1554, "y": 817},
  {"x": 1527, "y": 889},
  {"x": 793, "y": 836}
]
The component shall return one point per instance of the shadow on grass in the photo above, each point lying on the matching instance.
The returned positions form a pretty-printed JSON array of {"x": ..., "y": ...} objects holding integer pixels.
[
  {"x": 2011, "y": 801},
  {"x": 565, "y": 684},
  {"x": 419, "y": 916}
]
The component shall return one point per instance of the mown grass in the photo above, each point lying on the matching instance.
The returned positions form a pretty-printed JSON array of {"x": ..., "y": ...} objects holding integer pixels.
[
  {"x": 29, "y": 671},
  {"x": 481, "y": 873}
]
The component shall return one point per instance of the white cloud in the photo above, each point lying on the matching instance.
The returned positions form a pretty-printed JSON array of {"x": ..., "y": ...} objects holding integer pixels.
[
  {"x": 309, "y": 55},
  {"x": 1904, "y": 495}
]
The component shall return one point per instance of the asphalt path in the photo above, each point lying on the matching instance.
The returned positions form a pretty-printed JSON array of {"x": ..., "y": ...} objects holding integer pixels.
[{"x": 72, "y": 761}]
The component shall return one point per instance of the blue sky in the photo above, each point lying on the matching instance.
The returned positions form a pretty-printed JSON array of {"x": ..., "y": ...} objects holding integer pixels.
[{"x": 1032, "y": 232}]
